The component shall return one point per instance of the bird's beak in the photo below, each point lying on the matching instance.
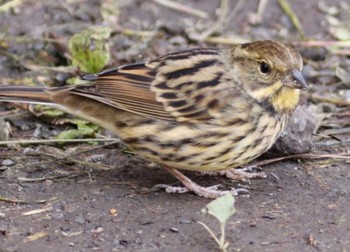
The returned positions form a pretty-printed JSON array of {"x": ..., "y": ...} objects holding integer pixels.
[{"x": 295, "y": 80}]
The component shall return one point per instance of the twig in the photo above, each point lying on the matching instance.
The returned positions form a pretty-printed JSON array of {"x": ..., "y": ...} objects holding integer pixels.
[
  {"x": 16, "y": 201},
  {"x": 337, "y": 131},
  {"x": 303, "y": 156},
  {"x": 222, "y": 19},
  {"x": 317, "y": 43},
  {"x": 261, "y": 8},
  {"x": 36, "y": 236},
  {"x": 341, "y": 52},
  {"x": 8, "y": 200},
  {"x": 68, "y": 158},
  {"x": 15, "y": 113},
  {"x": 219, "y": 23},
  {"x": 32, "y": 180},
  {"x": 341, "y": 114},
  {"x": 38, "y": 211},
  {"x": 255, "y": 18},
  {"x": 183, "y": 8},
  {"x": 333, "y": 143},
  {"x": 225, "y": 40},
  {"x": 338, "y": 102},
  {"x": 60, "y": 69},
  {"x": 292, "y": 16},
  {"x": 130, "y": 32},
  {"x": 91, "y": 164},
  {"x": 219, "y": 40},
  {"x": 29, "y": 39},
  {"x": 59, "y": 141},
  {"x": 11, "y": 4},
  {"x": 212, "y": 40},
  {"x": 34, "y": 67}
]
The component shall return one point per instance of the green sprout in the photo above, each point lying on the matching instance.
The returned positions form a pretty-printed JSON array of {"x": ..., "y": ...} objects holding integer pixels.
[
  {"x": 90, "y": 49},
  {"x": 222, "y": 209}
]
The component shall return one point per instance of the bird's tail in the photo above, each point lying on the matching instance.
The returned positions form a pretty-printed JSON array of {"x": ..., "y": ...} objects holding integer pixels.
[{"x": 24, "y": 94}]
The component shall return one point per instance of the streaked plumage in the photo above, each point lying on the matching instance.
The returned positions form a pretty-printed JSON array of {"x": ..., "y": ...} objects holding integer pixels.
[{"x": 199, "y": 110}]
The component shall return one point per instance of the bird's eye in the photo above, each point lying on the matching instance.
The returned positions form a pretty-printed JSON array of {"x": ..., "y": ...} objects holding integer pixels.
[{"x": 264, "y": 68}]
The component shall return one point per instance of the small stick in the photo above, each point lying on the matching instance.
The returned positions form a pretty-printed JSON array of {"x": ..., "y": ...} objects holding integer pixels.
[
  {"x": 182, "y": 8},
  {"x": 326, "y": 43},
  {"x": 303, "y": 156},
  {"x": 8, "y": 200},
  {"x": 59, "y": 141},
  {"x": 9, "y": 5},
  {"x": 292, "y": 16},
  {"x": 330, "y": 100}
]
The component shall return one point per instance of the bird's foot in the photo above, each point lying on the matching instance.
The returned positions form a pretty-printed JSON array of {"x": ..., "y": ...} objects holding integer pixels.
[
  {"x": 241, "y": 174},
  {"x": 211, "y": 192}
]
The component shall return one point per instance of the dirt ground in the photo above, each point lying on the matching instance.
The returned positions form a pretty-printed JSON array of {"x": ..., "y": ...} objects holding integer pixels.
[{"x": 98, "y": 197}]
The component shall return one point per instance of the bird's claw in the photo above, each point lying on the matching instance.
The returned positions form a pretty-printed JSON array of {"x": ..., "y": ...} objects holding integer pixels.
[
  {"x": 211, "y": 192},
  {"x": 242, "y": 174}
]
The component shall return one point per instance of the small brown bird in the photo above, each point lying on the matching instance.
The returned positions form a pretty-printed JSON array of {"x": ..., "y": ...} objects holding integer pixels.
[{"x": 198, "y": 110}]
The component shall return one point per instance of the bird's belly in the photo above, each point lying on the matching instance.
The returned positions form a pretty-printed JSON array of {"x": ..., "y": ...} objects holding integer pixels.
[{"x": 206, "y": 148}]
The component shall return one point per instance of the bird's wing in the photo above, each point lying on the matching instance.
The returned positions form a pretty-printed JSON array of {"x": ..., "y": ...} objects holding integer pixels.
[{"x": 188, "y": 86}]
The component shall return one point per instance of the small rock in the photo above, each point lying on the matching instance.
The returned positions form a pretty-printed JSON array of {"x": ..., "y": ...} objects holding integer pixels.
[
  {"x": 5, "y": 130},
  {"x": 116, "y": 243},
  {"x": 177, "y": 40},
  {"x": 79, "y": 219},
  {"x": 175, "y": 230},
  {"x": 58, "y": 215},
  {"x": 97, "y": 230},
  {"x": 8, "y": 162},
  {"x": 254, "y": 19},
  {"x": 65, "y": 228},
  {"x": 2, "y": 215},
  {"x": 185, "y": 221},
  {"x": 119, "y": 244},
  {"x": 297, "y": 136},
  {"x": 62, "y": 77}
]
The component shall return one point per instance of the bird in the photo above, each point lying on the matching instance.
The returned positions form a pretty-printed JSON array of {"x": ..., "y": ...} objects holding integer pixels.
[{"x": 201, "y": 109}]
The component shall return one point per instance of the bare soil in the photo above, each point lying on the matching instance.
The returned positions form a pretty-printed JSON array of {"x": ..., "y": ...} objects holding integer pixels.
[{"x": 102, "y": 199}]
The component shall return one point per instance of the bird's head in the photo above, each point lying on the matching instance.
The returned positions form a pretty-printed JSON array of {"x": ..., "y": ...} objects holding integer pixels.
[{"x": 270, "y": 72}]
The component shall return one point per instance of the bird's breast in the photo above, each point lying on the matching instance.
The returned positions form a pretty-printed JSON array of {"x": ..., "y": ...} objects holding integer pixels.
[{"x": 204, "y": 146}]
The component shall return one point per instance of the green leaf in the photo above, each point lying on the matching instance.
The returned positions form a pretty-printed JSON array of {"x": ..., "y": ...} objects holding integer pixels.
[
  {"x": 221, "y": 208},
  {"x": 90, "y": 49},
  {"x": 85, "y": 129},
  {"x": 48, "y": 112}
]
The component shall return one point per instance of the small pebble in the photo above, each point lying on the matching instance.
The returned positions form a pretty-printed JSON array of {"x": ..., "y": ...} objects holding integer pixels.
[
  {"x": 65, "y": 228},
  {"x": 97, "y": 230},
  {"x": 175, "y": 230},
  {"x": 116, "y": 243},
  {"x": 297, "y": 136},
  {"x": 79, "y": 219},
  {"x": 185, "y": 221},
  {"x": 177, "y": 40},
  {"x": 7, "y": 162}
]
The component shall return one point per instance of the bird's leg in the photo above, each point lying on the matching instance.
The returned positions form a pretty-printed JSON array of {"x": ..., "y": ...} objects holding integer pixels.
[
  {"x": 190, "y": 186},
  {"x": 241, "y": 174}
]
